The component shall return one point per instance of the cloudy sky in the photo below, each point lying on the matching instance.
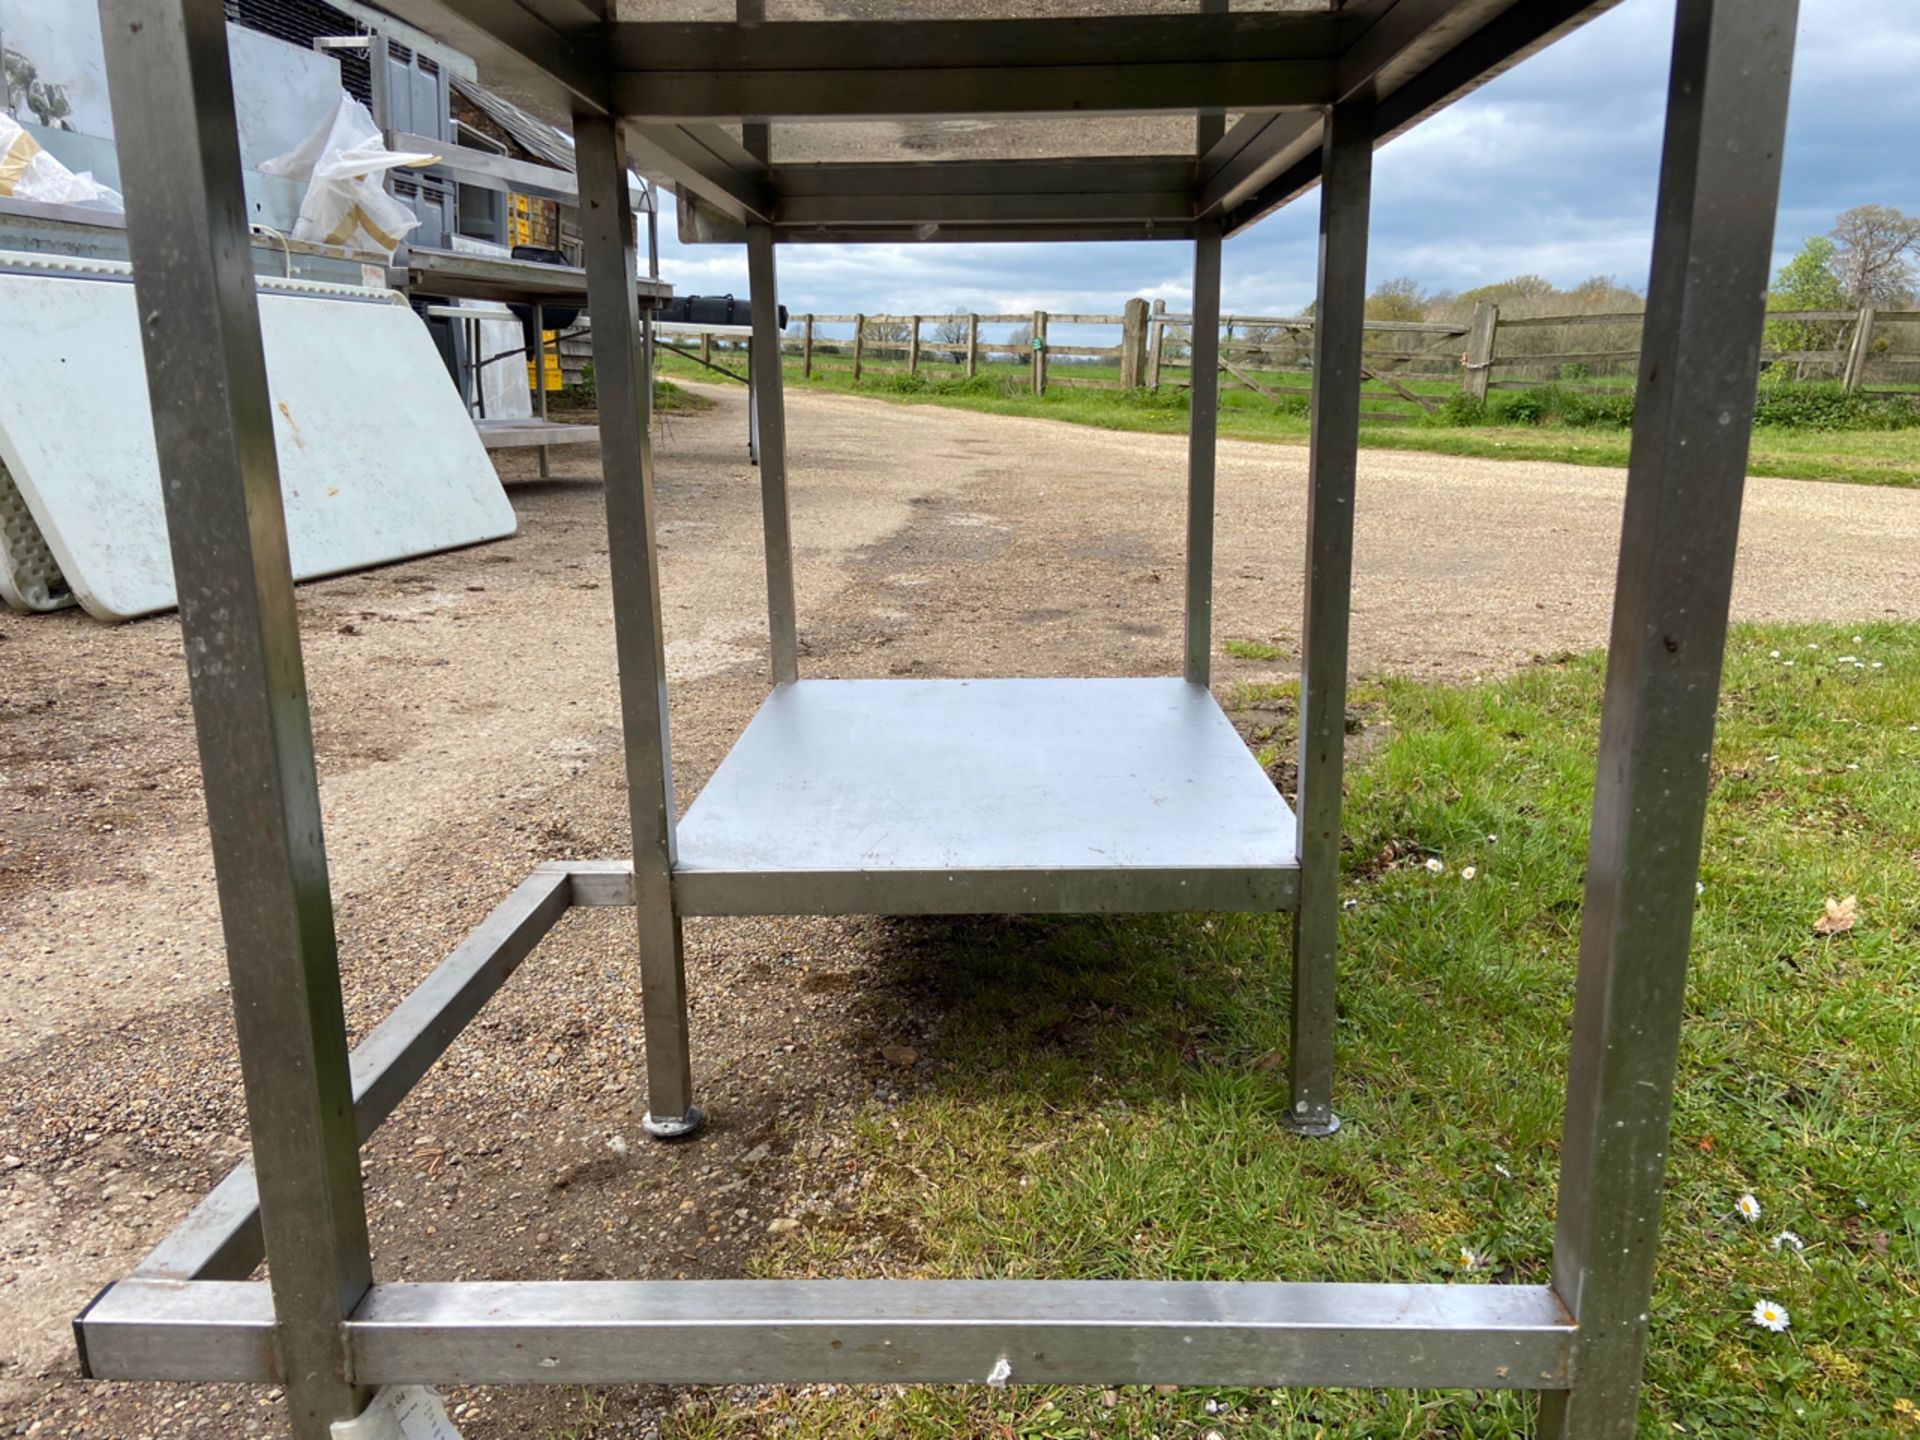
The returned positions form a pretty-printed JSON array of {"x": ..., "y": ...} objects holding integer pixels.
[{"x": 1548, "y": 170}]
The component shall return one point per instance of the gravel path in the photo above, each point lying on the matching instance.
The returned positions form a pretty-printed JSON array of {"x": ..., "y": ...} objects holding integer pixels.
[{"x": 466, "y": 716}]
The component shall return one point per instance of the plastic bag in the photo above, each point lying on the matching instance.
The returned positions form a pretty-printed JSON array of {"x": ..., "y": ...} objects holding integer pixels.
[
  {"x": 342, "y": 163},
  {"x": 29, "y": 173}
]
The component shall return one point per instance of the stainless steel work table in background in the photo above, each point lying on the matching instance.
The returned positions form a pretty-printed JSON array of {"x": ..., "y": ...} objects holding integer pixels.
[
  {"x": 459, "y": 276},
  {"x": 1188, "y": 123}
]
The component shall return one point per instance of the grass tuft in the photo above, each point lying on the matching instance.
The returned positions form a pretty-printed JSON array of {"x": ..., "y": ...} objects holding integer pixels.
[{"x": 1251, "y": 649}]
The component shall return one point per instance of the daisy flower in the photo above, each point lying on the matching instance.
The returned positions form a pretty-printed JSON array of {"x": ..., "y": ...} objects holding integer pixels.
[
  {"x": 1469, "y": 1260},
  {"x": 1787, "y": 1240},
  {"x": 1435, "y": 865},
  {"x": 1467, "y": 872},
  {"x": 1747, "y": 1208},
  {"x": 1770, "y": 1315}
]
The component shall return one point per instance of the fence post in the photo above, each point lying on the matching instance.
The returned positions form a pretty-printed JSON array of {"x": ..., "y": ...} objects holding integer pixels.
[
  {"x": 1857, "y": 352},
  {"x": 1133, "y": 345},
  {"x": 706, "y": 347},
  {"x": 1156, "y": 337},
  {"x": 1039, "y": 352},
  {"x": 913, "y": 348},
  {"x": 859, "y": 342},
  {"x": 806, "y": 349},
  {"x": 973, "y": 345},
  {"x": 1478, "y": 362}
]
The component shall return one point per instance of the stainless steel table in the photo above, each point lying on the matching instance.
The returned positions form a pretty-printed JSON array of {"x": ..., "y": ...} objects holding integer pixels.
[{"x": 952, "y": 795}]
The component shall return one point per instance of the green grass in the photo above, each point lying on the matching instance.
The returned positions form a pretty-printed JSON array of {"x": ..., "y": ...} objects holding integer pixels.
[
  {"x": 1251, "y": 649},
  {"x": 677, "y": 400},
  {"x": 668, "y": 397},
  {"x": 1104, "y": 1095},
  {"x": 1861, "y": 456}
]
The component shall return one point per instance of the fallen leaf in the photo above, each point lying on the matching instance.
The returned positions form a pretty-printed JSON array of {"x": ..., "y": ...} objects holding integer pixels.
[
  {"x": 1837, "y": 918},
  {"x": 904, "y": 1056},
  {"x": 1269, "y": 1061}
]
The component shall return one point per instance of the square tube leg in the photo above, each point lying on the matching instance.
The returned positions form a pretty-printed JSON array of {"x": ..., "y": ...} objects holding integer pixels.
[
  {"x": 172, "y": 97},
  {"x": 1339, "y": 318},
  {"x": 540, "y": 379},
  {"x": 770, "y": 413},
  {"x": 626, "y": 401},
  {"x": 1713, "y": 230},
  {"x": 1203, "y": 418}
]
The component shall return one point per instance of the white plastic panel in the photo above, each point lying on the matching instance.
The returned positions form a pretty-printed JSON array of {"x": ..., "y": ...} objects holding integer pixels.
[{"x": 378, "y": 459}]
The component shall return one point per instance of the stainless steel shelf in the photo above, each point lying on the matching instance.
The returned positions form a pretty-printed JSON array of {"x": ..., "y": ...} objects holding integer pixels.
[
  {"x": 883, "y": 797},
  {"x": 490, "y": 277},
  {"x": 527, "y": 434}
]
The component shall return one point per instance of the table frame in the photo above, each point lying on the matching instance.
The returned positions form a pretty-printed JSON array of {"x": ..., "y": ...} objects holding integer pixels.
[{"x": 319, "y": 1324}]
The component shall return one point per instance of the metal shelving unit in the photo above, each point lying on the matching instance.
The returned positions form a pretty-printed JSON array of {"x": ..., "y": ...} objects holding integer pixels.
[{"x": 927, "y": 796}]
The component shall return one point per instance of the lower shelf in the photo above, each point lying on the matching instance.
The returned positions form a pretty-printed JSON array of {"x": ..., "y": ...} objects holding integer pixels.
[
  {"x": 526, "y": 434},
  {"x": 895, "y": 797}
]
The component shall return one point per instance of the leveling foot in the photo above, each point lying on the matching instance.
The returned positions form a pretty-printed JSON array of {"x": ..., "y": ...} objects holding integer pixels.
[
  {"x": 1310, "y": 1125},
  {"x": 674, "y": 1127}
]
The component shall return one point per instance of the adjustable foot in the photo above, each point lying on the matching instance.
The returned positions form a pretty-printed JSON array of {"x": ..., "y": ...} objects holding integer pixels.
[
  {"x": 674, "y": 1127},
  {"x": 1311, "y": 1125}
]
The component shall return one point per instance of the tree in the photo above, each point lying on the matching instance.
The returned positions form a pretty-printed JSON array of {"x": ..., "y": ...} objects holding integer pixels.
[
  {"x": 1873, "y": 246},
  {"x": 886, "y": 329},
  {"x": 1400, "y": 299},
  {"x": 950, "y": 331},
  {"x": 1602, "y": 294},
  {"x": 1506, "y": 292},
  {"x": 1809, "y": 281}
]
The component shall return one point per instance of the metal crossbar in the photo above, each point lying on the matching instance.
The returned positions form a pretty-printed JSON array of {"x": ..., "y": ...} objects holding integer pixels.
[
  {"x": 731, "y": 1332},
  {"x": 186, "y": 1311}
]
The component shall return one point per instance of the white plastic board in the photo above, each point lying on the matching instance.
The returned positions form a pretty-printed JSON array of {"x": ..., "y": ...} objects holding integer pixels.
[
  {"x": 378, "y": 458},
  {"x": 504, "y": 392}
]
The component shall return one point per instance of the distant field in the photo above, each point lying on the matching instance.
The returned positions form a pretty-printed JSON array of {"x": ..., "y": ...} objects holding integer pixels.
[{"x": 1859, "y": 456}]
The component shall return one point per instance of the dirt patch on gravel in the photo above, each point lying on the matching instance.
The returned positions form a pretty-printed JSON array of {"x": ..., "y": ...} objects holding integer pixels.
[{"x": 467, "y": 723}]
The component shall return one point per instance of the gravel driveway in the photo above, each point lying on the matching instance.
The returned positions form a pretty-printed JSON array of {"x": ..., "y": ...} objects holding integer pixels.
[{"x": 466, "y": 715}]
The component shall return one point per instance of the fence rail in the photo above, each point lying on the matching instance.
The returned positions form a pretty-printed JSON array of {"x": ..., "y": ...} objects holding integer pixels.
[{"x": 1481, "y": 353}]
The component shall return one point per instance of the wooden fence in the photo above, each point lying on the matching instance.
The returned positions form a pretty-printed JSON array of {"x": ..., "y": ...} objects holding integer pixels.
[
  {"x": 1418, "y": 363},
  {"x": 965, "y": 347}
]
